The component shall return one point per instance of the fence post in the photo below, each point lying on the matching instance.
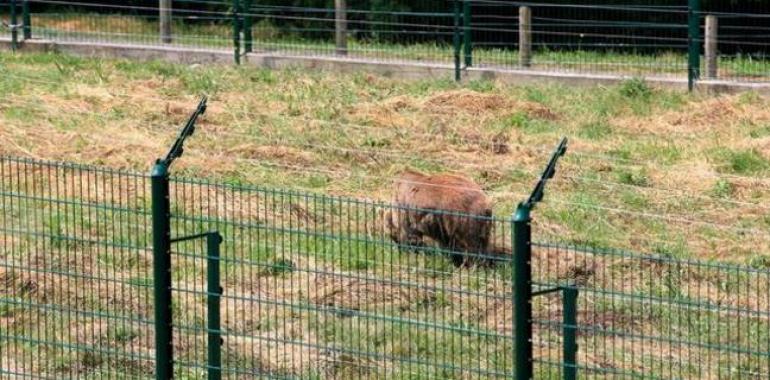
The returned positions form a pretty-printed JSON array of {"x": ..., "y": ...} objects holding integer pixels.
[
  {"x": 237, "y": 32},
  {"x": 710, "y": 47},
  {"x": 522, "y": 293},
  {"x": 165, "y": 21},
  {"x": 456, "y": 42},
  {"x": 569, "y": 320},
  {"x": 341, "y": 27},
  {"x": 248, "y": 26},
  {"x": 214, "y": 297},
  {"x": 14, "y": 30},
  {"x": 161, "y": 269},
  {"x": 693, "y": 37},
  {"x": 525, "y": 36},
  {"x": 467, "y": 34},
  {"x": 26, "y": 19}
]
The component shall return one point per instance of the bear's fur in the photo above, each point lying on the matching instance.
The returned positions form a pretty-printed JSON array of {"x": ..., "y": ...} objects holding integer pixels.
[{"x": 451, "y": 210}]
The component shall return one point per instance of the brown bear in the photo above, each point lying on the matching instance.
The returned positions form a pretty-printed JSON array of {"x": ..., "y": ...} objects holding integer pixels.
[{"x": 451, "y": 210}]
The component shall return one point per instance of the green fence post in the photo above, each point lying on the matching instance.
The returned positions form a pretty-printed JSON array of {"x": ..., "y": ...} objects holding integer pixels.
[
  {"x": 161, "y": 271},
  {"x": 248, "y": 26},
  {"x": 237, "y": 31},
  {"x": 14, "y": 30},
  {"x": 467, "y": 34},
  {"x": 214, "y": 291},
  {"x": 522, "y": 292},
  {"x": 456, "y": 39},
  {"x": 569, "y": 320},
  {"x": 694, "y": 43},
  {"x": 26, "y": 19}
]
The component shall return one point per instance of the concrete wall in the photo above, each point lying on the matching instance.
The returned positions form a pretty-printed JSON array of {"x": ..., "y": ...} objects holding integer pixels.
[{"x": 403, "y": 69}]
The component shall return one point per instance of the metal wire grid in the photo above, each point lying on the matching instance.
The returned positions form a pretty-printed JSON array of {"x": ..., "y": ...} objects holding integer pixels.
[
  {"x": 197, "y": 25},
  {"x": 582, "y": 37},
  {"x": 653, "y": 317},
  {"x": 315, "y": 289},
  {"x": 75, "y": 272},
  {"x": 741, "y": 41},
  {"x": 383, "y": 35},
  {"x": 623, "y": 43},
  {"x": 579, "y": 37}
]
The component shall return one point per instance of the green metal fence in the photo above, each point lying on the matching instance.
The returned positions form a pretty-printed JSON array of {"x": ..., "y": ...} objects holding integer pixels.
[
  {"x": 75, "y": 272},
  {"x": 313, "y": 286},
  {"x": 313, "y": 290},
  {"x": 686, "y": 39},
  {"x": 195, "y": 24},
  {"x": 653, "y": 317}
]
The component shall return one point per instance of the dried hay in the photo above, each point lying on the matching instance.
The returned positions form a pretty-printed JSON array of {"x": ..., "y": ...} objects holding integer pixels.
[
  {"x": 465, "y": 101},
  {"x": 272, "y": 152},
  {"x": 476, "y": 103},
  {"x": 390, "y": 113},
  {"x": 290, "y": 350},
  {"x": 360, "y": 295}
]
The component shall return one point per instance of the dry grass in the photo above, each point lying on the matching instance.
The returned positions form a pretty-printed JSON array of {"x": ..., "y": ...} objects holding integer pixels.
[
  {"x": 348, "y": 136},
  {"x": 647, "y": 170},
  {"x": 655, "y": 152}
]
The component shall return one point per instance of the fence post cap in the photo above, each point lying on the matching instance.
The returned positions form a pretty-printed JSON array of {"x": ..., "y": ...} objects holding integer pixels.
[
  {"x": 160, "y": 169},
  {"x": 522, "y": 213}
]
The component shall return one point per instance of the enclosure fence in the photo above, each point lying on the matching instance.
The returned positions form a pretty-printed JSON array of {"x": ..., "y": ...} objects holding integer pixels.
[
  {"x": 253, "y": 282},
  {"x": 685, "y": 39}
]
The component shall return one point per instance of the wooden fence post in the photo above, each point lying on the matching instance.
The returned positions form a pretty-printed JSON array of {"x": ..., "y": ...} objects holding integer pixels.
[
  {"x": 165, "y": 21},
  {"x": 525, "y": 36},
  {"x": 712, "y": 55},
  {"x": 341, "y": 27}
]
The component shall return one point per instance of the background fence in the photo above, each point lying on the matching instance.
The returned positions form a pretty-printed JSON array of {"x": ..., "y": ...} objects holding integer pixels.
[
  {"x": 314, "y": 287},
  {"x": 700, "y": 38}
]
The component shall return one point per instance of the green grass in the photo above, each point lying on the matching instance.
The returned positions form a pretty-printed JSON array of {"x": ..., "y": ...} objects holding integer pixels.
[
  {"x": 291, "y": 120},
  {"x": 742, "y": 161}
]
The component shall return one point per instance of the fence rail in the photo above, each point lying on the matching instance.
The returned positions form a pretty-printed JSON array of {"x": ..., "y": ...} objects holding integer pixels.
[{"x": 646, "y": 39}]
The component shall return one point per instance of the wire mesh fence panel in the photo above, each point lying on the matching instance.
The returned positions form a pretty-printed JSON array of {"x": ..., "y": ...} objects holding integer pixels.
[
  {"x": 193, "y": 23},
  {"x": 653, "y": 316},
  {"x": 316, "y": 287},
  {"x": 741, "y": 40},
  {"x": 75, "y": 278},
  {"x": 583, "y": 36},
  {"x": 646, "y": 38},
  {"x": 419, "y": 31}
]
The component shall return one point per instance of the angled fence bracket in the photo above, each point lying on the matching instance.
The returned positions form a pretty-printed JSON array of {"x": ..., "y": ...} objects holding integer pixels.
[{"x": 522, "y": 270}]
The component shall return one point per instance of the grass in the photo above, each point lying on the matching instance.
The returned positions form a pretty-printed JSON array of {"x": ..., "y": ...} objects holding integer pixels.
[
  {"x": 643, "y": 162},
  {"x": 346, "y": 135}
]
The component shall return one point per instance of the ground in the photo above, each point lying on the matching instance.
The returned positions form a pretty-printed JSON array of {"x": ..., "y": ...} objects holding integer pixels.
[{"x": 647, "y": 170}]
